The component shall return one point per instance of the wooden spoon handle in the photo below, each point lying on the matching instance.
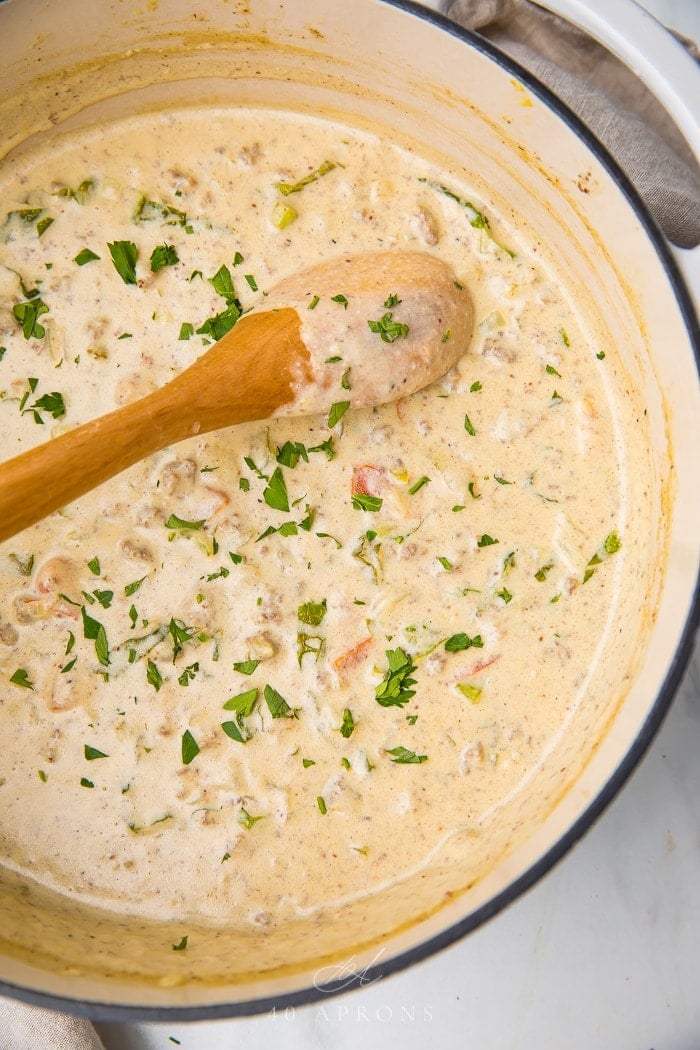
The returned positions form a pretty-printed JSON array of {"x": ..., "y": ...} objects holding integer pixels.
[{"x": 217, "y": 390}]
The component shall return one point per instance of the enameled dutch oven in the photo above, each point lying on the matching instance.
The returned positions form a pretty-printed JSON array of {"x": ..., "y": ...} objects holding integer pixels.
[{"x": 413, "y": 73}]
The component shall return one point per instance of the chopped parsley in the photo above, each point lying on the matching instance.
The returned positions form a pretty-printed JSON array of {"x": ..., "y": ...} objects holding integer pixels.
[
  {"x": 279, "y": 708},
  {"x": 486, "y": 540},
  {"x": 363, "y": 501},
  {"x": 27, "y": 315},
  {"x": 246, "y": 666},
  {"x": 405, "y": 757},
  {"x": 163, "y": 255},
  {"x": 21, "y": 678},
  {"x": 348, "y": 723},
  {"x": 395, "y": 689},
  {"x": 190, "y": 747},
  {"x": 124, "y": 255},
  {"x": 457, "y": 643},
  {"x": 320, "y": 802},
  {"x": 337, "y": 411},
  {"x": 275, "y": 493},
  {"x": 91, "y": 753},
  {"x": 387, "y": 329},
  {"x": 85, "y": 255}
]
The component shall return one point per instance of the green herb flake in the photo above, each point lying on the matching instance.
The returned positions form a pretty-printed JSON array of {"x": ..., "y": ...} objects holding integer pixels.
[
  {"x": 403, "y": 756},
  {"x": 475, "y": 387},
  {"x": 246, "y": 820},
  {"x": 94, "y": 566},
  {"x": 541, "y": 574},
  {"x": 190, "y": 747},
  {"x": 174, "y": 522},
  {"x": 446, "y": 563},
  {"x": 131, "y": 588},
  {"x": 181, "y": 945},
  {"x": 43, "y": 225},
  {"x": 42, "y": 775},
  {"x": 21, "y": 678},
  {"x": 320, "y": 802},
  {"x": 363, "y": 501},
  {"x": 124, "y": 255},
  {"x": 153, "y": 675},
  {"x": 84, "y": 256},
  {"x": 290, "y": 453},
  {"x": 246, "y": 666},
  {"x": 27, "y": 315},
  {"x": 242, "y": 703},
  {"x": 486, "y": 541},
  {"x": 235, "y": 732},
  {"x": 163, "y": 255},
  {"x": 551, "y": 370},
  {"x": 95, "y": 631},
  {"x": 306, "y": 762},
  {"x": 278, "y": 706},
  {"x": 341, "y": 300},
  {"x": 387, "y": 329},
  {"x": 396, "y": 688},
  {"x": 313, "y": 303},
  {"x": 337, "y": 411},
  {"x": 601, "y": 355},
  {"x": 275, "y": 493},
  {"x": 505, "y": 594},
  {"x": 92, "y": 753},
  {"x": 457, "y": 643},
  {"x": 221, "y": 323},
  {"x": 312, "y": 613},
  {"x": 84, "y": 782},
  {"x": 469, "y": 426},
  {"x": 348, "y": 723}
]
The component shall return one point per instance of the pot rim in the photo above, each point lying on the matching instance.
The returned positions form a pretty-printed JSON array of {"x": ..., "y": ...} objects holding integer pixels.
[{"x": 103, "y": 1011}]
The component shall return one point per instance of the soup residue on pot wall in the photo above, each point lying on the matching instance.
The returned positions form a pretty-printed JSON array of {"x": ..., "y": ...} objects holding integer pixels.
[{"x": 275, "y": 670}]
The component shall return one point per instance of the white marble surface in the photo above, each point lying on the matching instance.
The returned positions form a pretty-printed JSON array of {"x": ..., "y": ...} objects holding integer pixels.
[{"x": 603, "y": 953}]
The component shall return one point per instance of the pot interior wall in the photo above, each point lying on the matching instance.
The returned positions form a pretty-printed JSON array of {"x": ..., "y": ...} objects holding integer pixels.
[{"x": 370, "y": 63}]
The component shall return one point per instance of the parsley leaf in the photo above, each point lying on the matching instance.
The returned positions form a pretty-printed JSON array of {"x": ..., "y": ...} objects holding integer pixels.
[
  {"x": 338, "y": 410},
  {"x": 395, "y": 688},
  {"x": 279, "y": 708},
  {"x": 405, "y": 757},
  {"x": 190, "y": 747},
  {"x": 124, "y": 256},
  {"x": 275, "y": 493},
  {"x": 348, "y": 724},
  {"x": 163, "y": 255},
  {"x": 388, "y": 329},
  {"x": 85, "y": 255},
  {"x": 457, "y": 643}
]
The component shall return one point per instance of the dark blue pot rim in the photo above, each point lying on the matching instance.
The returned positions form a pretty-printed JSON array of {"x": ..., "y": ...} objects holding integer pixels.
[{"x": 128, "y": 1014}]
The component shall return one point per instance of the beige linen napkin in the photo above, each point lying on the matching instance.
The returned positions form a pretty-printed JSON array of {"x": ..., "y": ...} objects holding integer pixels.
[
  {"x": 24, "y": 1027},
  {"x": 609, "y": 99}
]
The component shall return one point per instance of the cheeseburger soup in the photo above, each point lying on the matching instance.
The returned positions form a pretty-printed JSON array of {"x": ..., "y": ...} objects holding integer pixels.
[{"x": 278, "y": 668}]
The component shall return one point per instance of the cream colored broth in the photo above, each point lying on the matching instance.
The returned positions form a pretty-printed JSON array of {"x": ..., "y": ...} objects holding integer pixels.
[{"x": 494, "y": 493}]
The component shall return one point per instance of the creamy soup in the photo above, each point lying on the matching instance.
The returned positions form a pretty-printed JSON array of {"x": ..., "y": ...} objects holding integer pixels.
[{"x": 278, "y": 668}]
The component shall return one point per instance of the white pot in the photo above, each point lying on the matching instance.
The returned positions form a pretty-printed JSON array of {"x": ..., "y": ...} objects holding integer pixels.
[{"x": 70, "y": 62}]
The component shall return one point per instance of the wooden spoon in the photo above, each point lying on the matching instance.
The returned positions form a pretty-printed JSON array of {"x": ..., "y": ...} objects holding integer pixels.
[{"x": 306, "y": 346}]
